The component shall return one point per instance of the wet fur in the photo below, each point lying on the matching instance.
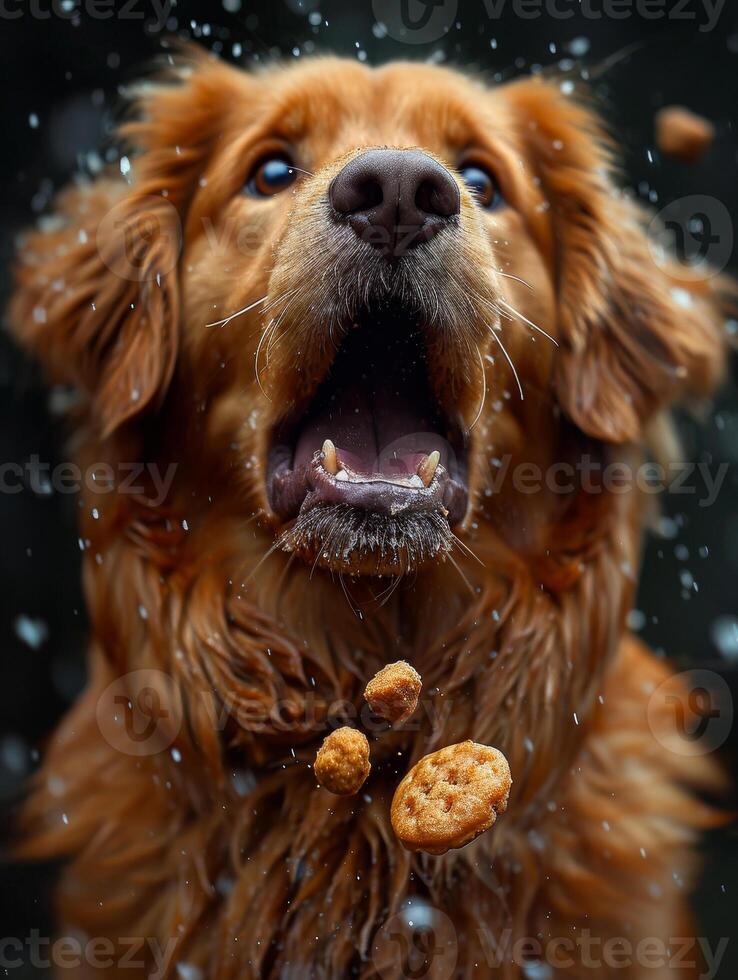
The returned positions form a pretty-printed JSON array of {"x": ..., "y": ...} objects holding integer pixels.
[
  {"x": 233, "y": 851},
  {"x": 340, "y": 538}
]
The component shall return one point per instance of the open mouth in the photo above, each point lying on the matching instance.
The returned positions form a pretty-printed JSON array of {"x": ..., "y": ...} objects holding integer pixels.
[{"x": 372, "y": 472}]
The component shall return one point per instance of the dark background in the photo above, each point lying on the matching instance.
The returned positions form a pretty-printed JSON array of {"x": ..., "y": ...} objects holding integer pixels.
[{"x": 61, "y": 77}]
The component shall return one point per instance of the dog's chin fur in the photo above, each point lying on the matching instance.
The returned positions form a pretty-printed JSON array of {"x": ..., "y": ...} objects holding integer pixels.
[
  {"x": 225, "y": 853},
  {"x": 346, "y": 540}
]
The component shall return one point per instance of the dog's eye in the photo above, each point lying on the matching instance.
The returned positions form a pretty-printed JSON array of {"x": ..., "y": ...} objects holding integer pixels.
[
  {"x": 270, "y": 176},
  {"x": 483, "y": 185}
]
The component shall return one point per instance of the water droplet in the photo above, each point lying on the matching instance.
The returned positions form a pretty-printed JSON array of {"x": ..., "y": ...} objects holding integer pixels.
[
  {"x": 579, "y": 46},
  {"x": 724, "y": 632},
  {"x": 32, "y": 631}
]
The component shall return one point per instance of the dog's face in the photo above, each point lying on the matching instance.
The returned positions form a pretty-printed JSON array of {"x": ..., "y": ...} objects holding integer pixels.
[
  {"x": 389, "y": 279},
  {"x": 379, "y": 271}
]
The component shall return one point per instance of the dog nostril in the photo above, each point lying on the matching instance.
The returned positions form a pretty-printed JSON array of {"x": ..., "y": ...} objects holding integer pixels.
[
  {"x": 439, "y": 197},
  {"x": 352, "y": 192},
  {"x": 371, "y": 195}
]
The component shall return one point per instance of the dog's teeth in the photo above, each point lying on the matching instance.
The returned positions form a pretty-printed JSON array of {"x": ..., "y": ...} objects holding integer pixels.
[
  {"x": 427, "y": 467},
  {"x": 330, "y": 460},
  {"x": 342, "y": 475}
]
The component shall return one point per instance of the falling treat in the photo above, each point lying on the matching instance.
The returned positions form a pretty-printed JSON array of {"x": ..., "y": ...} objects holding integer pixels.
[
  {"x": 393, "y": 692},
  {"x": 450, "y": 797},
  {"x": 342, "y": 763},
  {"x": 682, "y": 134}
]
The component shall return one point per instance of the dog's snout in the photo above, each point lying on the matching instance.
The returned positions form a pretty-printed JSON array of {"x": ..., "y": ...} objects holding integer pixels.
[{"x": 395, "y": 199}]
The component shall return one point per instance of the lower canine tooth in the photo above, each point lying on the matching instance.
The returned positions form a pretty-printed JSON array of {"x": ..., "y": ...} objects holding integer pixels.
[
  {"x": 330, "y": 460},
  {"x": 342, "y": 475},
  {"x": 427, "y": 468}
]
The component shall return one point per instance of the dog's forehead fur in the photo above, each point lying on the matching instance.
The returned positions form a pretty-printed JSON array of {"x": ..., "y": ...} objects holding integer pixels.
[
  {"x": 325, "y": 99},
  {"x": 326, "y": 107}
]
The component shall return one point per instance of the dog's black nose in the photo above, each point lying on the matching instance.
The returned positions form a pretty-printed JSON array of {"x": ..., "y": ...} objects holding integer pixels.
[{"x": 394, "y": 199}]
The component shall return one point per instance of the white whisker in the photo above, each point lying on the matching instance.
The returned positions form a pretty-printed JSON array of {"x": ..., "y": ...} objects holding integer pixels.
[
  {"x": 530, "y": 323},
  {"x": 484, "y": 390},
  {"x": 279, "y": 299},
  {"x": 227, "y": 319},
  {"x": 384, "y": 597},
  {"x": 256, "y": 358},
  {"x": 465, "y": 548},
  {"x": 270, "y": 331},
  {"x": 509, "y": 275},
  {"x": 268, "y": 554},
  {"x": 354, "y": 608},
  {"x": 274, "y": 335},
  {"x": 315, "y": 565},
  {"x": 464, "y": 579},
  {"x": 509, "y": 361}
]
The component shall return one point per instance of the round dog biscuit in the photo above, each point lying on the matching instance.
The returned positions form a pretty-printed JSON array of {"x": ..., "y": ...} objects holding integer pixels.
[
  {"x": 342, "y": 763},
  {"x": 450, "y": 797},
  {"x": 683, "y": 134},
  {"x": 393, "y": 692}
]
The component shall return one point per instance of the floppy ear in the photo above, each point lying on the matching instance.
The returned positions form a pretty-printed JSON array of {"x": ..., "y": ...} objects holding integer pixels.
[
  {"x": 635, "y": 335},
  {"x": 97, "y": 295}
]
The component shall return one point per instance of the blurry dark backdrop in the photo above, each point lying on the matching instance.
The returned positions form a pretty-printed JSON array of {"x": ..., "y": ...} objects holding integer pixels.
[{"x": 61, "y": 79}]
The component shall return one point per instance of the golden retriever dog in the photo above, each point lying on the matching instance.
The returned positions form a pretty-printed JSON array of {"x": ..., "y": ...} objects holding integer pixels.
[{"x": 359, "y": 309}]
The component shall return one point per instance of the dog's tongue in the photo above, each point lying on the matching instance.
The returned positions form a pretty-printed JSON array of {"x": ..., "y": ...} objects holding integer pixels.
[{"x": 379, "y": 416}]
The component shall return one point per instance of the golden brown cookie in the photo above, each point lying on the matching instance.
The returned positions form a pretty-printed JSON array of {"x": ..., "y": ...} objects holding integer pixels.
[
  {"x": 683, "y": 134},
  {"x": 450, "y": 797},
  {"x": 393, "y": 692},
  {"x": 342, "y": 763}
]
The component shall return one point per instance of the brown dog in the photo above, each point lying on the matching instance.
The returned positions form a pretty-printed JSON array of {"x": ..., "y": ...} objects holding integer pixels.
[{"x": 442, "y": 280}]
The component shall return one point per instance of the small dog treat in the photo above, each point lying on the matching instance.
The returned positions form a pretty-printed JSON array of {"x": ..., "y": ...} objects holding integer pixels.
[
  {"x": 393, "y": 691},
  {"x": 342, "y": 763},
  {"x": 683, "y": 134},
  {"x": 450, "y": 797}
]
